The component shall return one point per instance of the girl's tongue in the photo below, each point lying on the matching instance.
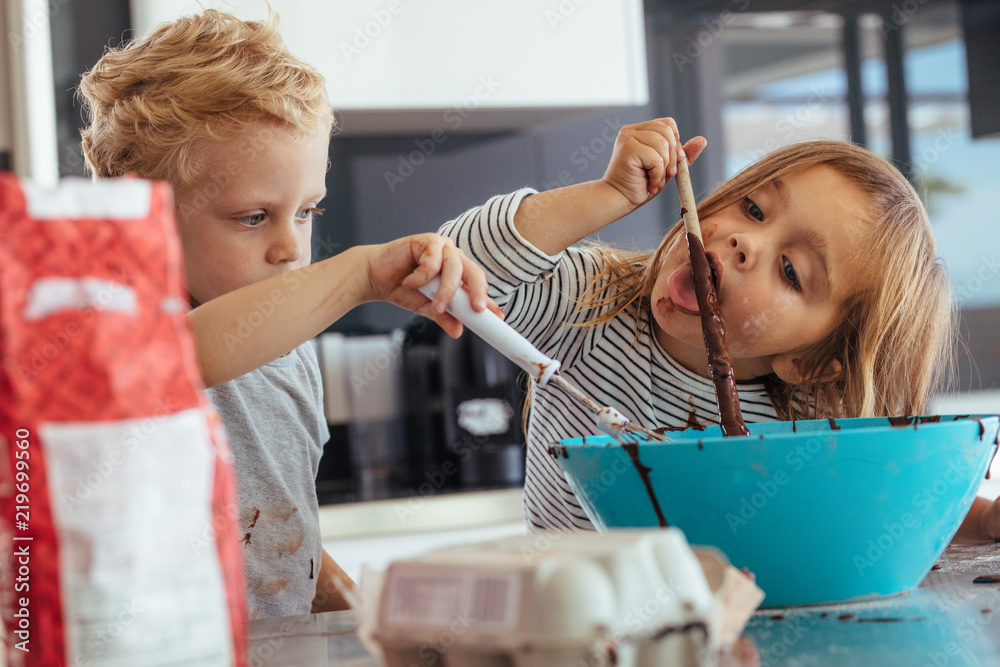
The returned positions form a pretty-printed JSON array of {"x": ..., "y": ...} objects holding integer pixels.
[{"x": 680, "y": 289}]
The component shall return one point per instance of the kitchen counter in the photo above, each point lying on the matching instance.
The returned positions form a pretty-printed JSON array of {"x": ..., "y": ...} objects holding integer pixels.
[
  {"x": 950, "y": 620},
  {"x": 417, "y": 513}
]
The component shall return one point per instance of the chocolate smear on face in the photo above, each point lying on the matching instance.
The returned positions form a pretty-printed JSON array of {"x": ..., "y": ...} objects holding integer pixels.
[{"x": 714, "y": 332}]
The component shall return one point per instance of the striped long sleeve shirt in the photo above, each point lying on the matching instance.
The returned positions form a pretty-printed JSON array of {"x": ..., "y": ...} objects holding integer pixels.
[{"x": 609, "y": 362}]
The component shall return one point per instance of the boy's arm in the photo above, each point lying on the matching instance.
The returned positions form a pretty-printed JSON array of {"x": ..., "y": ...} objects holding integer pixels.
[
  {"x": 643, "y": 161},
  {"x": 981, "y": 524},
  {"x": 254, "y": 325},
  {"x": 328, "y": 594}
]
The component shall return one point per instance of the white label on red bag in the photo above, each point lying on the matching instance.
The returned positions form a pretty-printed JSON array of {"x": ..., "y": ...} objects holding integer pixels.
[
  {"x": 135, "y": 592},
  {"x": 440, "y": 597},
  {"x": 79, "y": 198},
  {"x": 51, "y": 295}
]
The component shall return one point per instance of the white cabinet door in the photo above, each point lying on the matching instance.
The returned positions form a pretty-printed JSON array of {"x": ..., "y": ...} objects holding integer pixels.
[{"x": 416, "y": 65}]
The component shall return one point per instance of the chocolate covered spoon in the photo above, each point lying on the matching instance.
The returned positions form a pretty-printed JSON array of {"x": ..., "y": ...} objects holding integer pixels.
[{"x": 713, "y": 327}]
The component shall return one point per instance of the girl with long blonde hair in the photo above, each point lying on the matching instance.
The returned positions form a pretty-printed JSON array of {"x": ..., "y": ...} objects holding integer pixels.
[{"x": 826, "y": 271}]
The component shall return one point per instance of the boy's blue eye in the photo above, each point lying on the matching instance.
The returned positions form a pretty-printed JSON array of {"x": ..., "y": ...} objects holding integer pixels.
[
  {"x": 789, "y": 272},
  {"x": 752, "y": 209},
  {"x": 309, "y": 213},
  {"x": 251, "y": 220}
]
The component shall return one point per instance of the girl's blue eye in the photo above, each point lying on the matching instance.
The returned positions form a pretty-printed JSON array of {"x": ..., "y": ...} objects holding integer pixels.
[
  {"x": 752, "y": 209},
  {"x": 251, "y": 220},
  {"x": 789, "y": 272}
]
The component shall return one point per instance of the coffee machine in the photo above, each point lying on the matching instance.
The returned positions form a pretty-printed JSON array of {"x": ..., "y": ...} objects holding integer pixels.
[{"x": 463, "y": 411}]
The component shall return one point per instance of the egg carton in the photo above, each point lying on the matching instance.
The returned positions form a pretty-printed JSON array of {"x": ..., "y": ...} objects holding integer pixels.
[{"x": 628, "y": 598}]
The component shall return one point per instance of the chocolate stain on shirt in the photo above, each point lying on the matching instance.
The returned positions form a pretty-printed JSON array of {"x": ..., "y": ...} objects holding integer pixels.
[
  {"x": 272, "y": 587},
  {"x": 256, "y": 515},
  {"x": 287, "y": 515},
  {"x": 291, "y": 546},
  {"x": 246, "y": 540}
]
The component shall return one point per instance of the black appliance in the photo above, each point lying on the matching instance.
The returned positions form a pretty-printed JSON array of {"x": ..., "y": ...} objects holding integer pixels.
[{"x": 463, "y": 412}]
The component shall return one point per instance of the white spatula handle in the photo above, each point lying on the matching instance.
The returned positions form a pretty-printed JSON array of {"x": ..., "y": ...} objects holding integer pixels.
[{"x": 498, "y": 334}]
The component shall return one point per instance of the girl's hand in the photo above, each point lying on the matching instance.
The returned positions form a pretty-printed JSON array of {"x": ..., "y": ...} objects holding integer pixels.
[
  {"x": 981, "y": 524},
  {"x": 396, "y": 269},
  {"x": 645, "y": 158},
  {"x": 991, "y": 521}
]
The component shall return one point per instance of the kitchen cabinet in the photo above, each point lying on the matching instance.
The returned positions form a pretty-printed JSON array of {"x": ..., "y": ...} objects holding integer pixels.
[{"x": 450, "y": 66}]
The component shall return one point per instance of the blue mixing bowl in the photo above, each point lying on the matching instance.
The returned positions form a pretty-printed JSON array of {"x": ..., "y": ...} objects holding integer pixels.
[{"x": 820, "y": 511}]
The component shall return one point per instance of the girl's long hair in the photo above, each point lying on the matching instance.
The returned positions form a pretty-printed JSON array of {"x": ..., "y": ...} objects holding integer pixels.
[{"x": 895, "y": 336}]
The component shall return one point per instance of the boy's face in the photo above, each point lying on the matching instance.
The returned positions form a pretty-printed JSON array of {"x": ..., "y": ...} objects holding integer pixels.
[
  {"x": 785, "y": 266},
  {"x": 249, "y": 214}
]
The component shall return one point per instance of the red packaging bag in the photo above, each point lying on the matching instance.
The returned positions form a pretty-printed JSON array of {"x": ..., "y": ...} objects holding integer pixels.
[{"x": 116, "y": 484}]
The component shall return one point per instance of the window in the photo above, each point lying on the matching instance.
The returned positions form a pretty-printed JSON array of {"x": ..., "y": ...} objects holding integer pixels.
[{"x": 786, "y": 82}]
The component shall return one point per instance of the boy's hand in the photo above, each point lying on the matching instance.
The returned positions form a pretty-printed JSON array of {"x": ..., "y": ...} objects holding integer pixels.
[
  {"x": 396, "y": 269},
  {"x": 645, "y": 158}
]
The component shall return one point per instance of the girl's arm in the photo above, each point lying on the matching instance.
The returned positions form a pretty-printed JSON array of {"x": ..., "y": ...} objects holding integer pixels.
[
  {"x": 328, "y": 594},
  {"x": 254, "y": 325},
  {"x": 981, "y": 524},
  {"x": 643, "y": 161}
]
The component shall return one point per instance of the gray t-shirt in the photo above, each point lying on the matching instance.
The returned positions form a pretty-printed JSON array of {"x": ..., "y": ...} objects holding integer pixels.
[{"x": 277, "y": 429}]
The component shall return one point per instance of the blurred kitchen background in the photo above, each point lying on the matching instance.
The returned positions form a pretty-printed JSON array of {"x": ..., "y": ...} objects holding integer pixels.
[{"x": 444, "y": 103}]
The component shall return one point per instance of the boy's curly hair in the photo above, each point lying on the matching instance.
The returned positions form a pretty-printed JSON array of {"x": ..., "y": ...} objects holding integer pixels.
[{"x": 211, "y": 75}]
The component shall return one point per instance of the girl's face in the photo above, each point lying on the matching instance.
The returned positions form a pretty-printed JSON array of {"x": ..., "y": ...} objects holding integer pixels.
[
  {"x": 249, "y": 215},
  {"x": 785, "y": 263}
]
